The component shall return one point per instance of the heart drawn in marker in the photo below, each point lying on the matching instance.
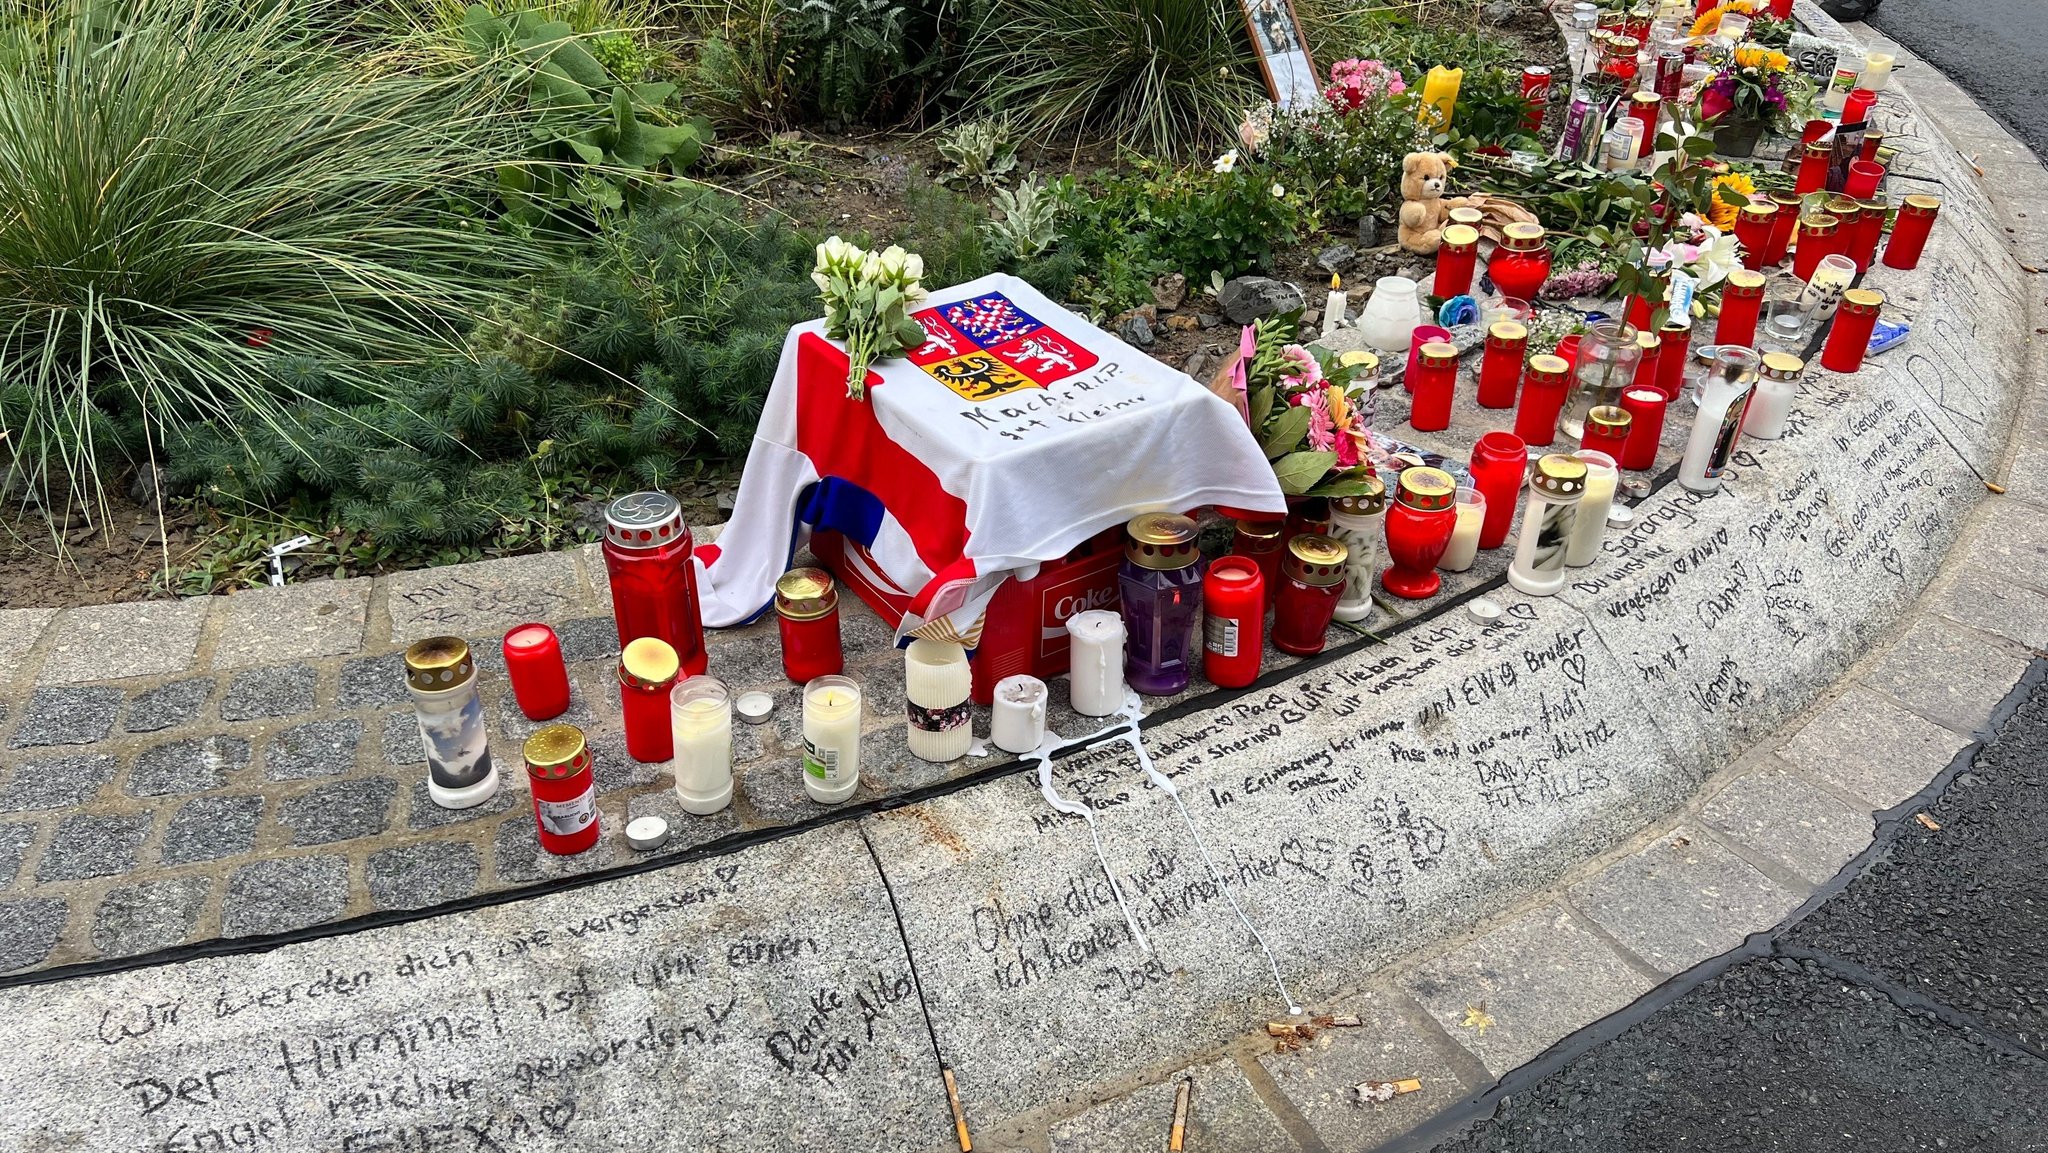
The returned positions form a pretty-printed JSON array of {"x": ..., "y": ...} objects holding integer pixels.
[
  {"x": 1574, "y": 667},
  {"x": 557, "y": 1117}
]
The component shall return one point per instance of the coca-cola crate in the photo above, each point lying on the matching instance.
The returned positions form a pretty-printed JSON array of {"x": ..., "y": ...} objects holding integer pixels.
[{"x": 1025, "y": 628}]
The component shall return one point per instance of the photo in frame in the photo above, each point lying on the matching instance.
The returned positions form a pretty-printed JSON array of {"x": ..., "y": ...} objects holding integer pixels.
[{"x": 1283, "y": 52}]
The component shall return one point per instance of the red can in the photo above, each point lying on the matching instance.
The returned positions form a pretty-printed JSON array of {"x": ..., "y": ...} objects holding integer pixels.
[
  {"x": 1233, "y": 621},
  {"x": 540, "y": 681},
  {"x": 1645, "y": 407},
  {"x": 807, "y": 609},
  {"x": 558, "y": 773},
  {"x": 1849, "y": 336},
  {"x": 1536, "y": 90},
  {"x": 1500, "y": 368},
  {"x": 1910, "y": 231},
  {"x": 647, "y": 672},
  {"x": 1670, "y": 75}
]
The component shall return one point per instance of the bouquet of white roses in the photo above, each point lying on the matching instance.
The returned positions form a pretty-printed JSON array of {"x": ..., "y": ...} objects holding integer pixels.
[{"x": 868, "y": 299}]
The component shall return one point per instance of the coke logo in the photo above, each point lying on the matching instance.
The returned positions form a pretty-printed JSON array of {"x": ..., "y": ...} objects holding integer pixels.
[
  {"x": 1097, "y": 598},
  {"x": 1538, "y": 91}
]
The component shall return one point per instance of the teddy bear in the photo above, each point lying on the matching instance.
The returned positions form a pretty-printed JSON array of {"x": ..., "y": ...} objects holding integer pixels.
[{"x": 1424, "y": 176}]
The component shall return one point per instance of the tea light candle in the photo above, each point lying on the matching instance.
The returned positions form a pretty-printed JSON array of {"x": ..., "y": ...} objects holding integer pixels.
[
  {"x": 1333, "y": 308},
  {"x": 1017, "y": 717},
  {"x": 1095, "y": 674},
  {"x": 700, "y": 715},
  {"x": 1464, "y": 546},
  {"x": 831, "y": 760},
  {"x": 936, "y": 681}
]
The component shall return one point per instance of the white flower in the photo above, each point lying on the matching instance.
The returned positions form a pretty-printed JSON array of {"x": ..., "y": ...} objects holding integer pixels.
[
  {"x": 1278, "y": 191},
  {"x": 1225, "y": 162},
  {"x": 913, "y": 268},
  {"x": 823, "y": 281}
]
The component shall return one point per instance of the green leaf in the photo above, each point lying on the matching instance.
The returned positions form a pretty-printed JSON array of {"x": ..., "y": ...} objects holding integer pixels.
[
  {"x": 1298, "y": 472},
  {"x": 1260, "y": 405},
  {"x": 1349, "y": 484},
  {"x": 1286, "y": 433}
]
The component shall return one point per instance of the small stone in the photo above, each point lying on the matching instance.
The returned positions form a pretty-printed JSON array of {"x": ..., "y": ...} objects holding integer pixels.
[
  {"x": 56, "y": 782},
  {"x": 1149, "y": 312},
  {"x": 14, "y": 843},
  {"x": 67, "y": 716},
  {"x": 429, "y": 873},
  {"x": 1311, "y": 317},
  {"x": 187, "y": 766},
  {"x": 282, "y": 895},
  {"x": 270, "y": 692},
  {"x": 373, "y": 681},
  {"x": 168, "y": 707},
  {"x": 86, "y": 846},
  {"x": 1201, "y": 365},
  {"x": 29, "y": 929},
  {"x": 1335, "y": 258},
  {"x": 339, "y": 812},
  {"x": 1182, "y": 322},
  {"x": 1208, "y": 319},
  {"x": 1169, "y": 291},
  {"x": 147, "y": 917},
  {"x": 1249, "y": 298},
  {"x": 1368, "y": 232},
  {"x": 1136, "y": 331},
  {"x": 321, "y": 749},
  {"x": 209, "y": 828},
  {"x": 425, "y": 814}
]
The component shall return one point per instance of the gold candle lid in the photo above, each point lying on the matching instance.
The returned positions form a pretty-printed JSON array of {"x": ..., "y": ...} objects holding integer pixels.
[
  {"x": 1748, "y": 282},
  {"x": 1508, "y": 332},
  {"x": 804, "y": 594},
  {"x": 1784, "y": 200},
  {"x": 1160, "y": 540},
  {"x": 1315, "y": 560},
  {"x": 1549, "y": 369},
  {"x": 1468, "y": 216},
  {"x": 1863, "y": 300},
  {"x": 1648, "y": 341},
  {"x": 1265, "y": 533},
  {"x": 1818, "y": 222},
  {"x": 1438, "y": 352},
  {"x": 1522, "y": 237},
  {"x": 1841, "y": 204},
  {"x": 1921, "y": 204},
  {"x": 1755, "y": 209},
  {"x": 1610, "y": 417},
  {"x": 1782, "y": 366},
  {"x": 438, "y": 663},
  {"x": 555, "y": 751},
  {"x": 1427, "y": 489},
  {"x": 1460, "y": 236},
  {"x": 1371, "y": 502},
  {"x": 648, "y": 663},
  {"x": 1558, "y": 475}
]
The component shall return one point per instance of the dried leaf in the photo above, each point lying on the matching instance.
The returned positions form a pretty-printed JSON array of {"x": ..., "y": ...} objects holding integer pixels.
[
  {"x": 1476, "y": 1017},
  {"x": 1927, "y": 822}
]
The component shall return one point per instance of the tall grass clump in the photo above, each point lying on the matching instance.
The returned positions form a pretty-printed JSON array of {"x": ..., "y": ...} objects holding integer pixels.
[
  {"x": 1168, "y": 77},
  {"x": 194, "y": 194}
]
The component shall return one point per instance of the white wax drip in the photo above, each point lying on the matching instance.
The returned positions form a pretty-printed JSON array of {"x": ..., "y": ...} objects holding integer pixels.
[{"x": 1043, "y": 753}]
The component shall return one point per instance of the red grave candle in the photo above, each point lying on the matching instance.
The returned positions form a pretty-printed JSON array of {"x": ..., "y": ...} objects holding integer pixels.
[
  {"x": 1647, "y": 347},
  {"x": 1500, "y": 369},
  {"x": 1863, "y": 178},
  {"x": 533, "y": 662},
  {"x": 1233, "y": 621},
  {"x": 564, "y": 788},
  {"x": 1423, "y": 334},
  {"x": 654, "y": 585},
  {"x": 1606, "y": 430},
  {"x": 1872, "y": 141},
  {"x": 1781, "y": 9},
  {"x": 1819, "y": 235},
  {"x": 1868, "y": 230},
  {"x": 1435, "y": 387},
  {"x": 1742, "y": 300},
  {"x": 1909, "y": 233},
  {"x": 1637, "y": 312},
  {"x": 1813, "y": 168},
  {"x": 1522, "y": 263},
  {"x": 1568, "y": 350},
  {"x": 1455, "y": 259},
  {"x": 807, "y": 610},
  {"x": 1856, "y": 110},
  {"x": 1419, "y": 527},
  {"x": 1642, "y": 107},
  {"x": 1849, "y": 336},
  {"x": 1259, "y": 541},
  {"x": 1311, "y": 582},
  {"x": 1500, "y": 462},
  {"x": 1645, "y": 407},
  {"x": 1782, "y": 223},
  {"x": 1673, "y": 342},
  {"x": 1544, "y": 389},
  {"x": 647, "y": 671},
  {"x": 1753, "y": 232}
]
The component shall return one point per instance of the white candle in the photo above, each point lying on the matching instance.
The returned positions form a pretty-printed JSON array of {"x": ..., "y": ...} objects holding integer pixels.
[
  {"x": 1777, "y": 387},
  {"x": 1589, "y": 524},
  {"x": 1095, "y": 677},
  {"x": 1823, "y": 292},
  {"x": 936, "y": 681},
  {"x": 831, "y": 761},
  {"x": 1017, "y": 717},
  {"x": 1464, "y": 546},
  {"x": 1877, "y": 71},
  {"x": 700, "y": 714},
  {"x": 1333, "y": 309}
]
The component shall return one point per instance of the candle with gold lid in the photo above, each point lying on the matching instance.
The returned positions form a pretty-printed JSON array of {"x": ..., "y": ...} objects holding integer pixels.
[
  {"x": 1161, "y": 584},
  {"x": 1556, "y": 485},
  {"x": 1311, "y": 581},
  {"x": 1910, "y": 232},
  {"x": 563, "y": 783},
  {"x": 1419, "y": 527},
  {"x": 440, "y": 677},
  {"x": 1359, "y": 523}
]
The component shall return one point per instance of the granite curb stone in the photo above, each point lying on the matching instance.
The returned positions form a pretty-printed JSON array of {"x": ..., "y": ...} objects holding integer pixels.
[
  {"x": 1872, "y": 747},
  {"x": 87, "y": 846},
  {"x": 188, "y": 766},
  {"x": 211, "y": 828},
  {"x": 287, "y": 893},
  {"x": 265, "y": 626},
  {"x": 1224, "y": 1112},
  {"x": 19, "y": 631},
  {"x": 109, "y": 642},
  {"x": 167, "y": 707},
  {"x": 1320, "y": 1078},
  {"x": 1681, "y": 900},
  {"x": 150, "y": 916}
]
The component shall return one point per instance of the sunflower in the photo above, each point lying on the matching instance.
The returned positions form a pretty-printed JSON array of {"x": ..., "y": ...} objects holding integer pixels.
[
  {"x": 1762, "y": 58},
  {"x": 1709, "y": 22},
  {"x": 1720, "y": 213}
]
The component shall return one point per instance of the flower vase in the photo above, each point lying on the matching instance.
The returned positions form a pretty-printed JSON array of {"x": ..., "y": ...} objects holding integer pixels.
[{"x": 1737, "y": 137}]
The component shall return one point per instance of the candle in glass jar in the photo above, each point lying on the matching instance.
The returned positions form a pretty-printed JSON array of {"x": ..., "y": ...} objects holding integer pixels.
[
  {"x": 1555, "y": 486},
  {"x": 1544, "y": 389},
  {"x": 1522, "y": 263},
  {"x": 1909, "y": 233},
  {"x": 1419, "y": 527},
  {"x": 1334, "y": 305},
  {"x": 700, "y": 716},
  {"x": 1674, "y": 340},
  {"x": 1464, "y": 547},
  {"x": 1642, "y": 108},
  {"x": 1723, "y": 394},
  {"x": 936, "y": 684},
  {"x": 1645, "y": 408},
  {"x": 831, "y": 727},
  {"x": 1161, "y": 584},
  {"x": 647, "y": 674},
  {"x": 1500, "y": 367},
  {"x": 1423, "y": 334},
  {"x": 1233, "y": 622},
  {"x": 1647, "y": 347},
  {"x": 1095, "y": 665},
  {"x": 1776, "y": 387},
  {"x": 1455, "y": 258},
  {"x": 1589, "y": 521},
  {"x": 1311, "y": 580},
  {"x": 1813, "y": 168},
  {"x": 1849, "y": 337},
  {"x": 1436, "y": 386},
  {"x": 1742, "y": 300},
  {"x": 1017, "y": 714},
  {"x": 533, "y": 662},
  {"x": 647, "y": 556},
  {"x": 1824, "y": 289},
  {"x": 1359, "y": 523},
  {"x": 807, "y": 612}
]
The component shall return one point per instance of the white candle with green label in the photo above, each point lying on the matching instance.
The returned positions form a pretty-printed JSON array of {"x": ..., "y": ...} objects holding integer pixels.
[{"x": 831, "y": 760}]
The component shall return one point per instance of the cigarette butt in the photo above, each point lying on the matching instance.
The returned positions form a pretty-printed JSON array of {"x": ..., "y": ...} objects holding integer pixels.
[
  {"x": 1180, "y": 1115},
  {"x": 959, "y": 1114},
  {"x": 1386, "y": 1090},
  {"x": 1927, "y": 822},
  {"x": 1345, "y": 1021},
  {"x": 1997, "y": 489},
  {"x": 1282, "y": 1029}
]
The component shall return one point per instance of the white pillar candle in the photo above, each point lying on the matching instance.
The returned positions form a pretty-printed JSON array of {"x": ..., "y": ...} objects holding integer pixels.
[
  {"x": 1823, "y": 292},
  {"x": 1333, "y": 308},
  {"x": 1095, "y": 676},
  {"x": 1877, "y": 71},
  {"x": 1777, "y": 387},
  {"x": 831, "y": 761},
  {"x": 1589, "y": 523},
  {"x": 1017, "y": 714},
  {"x": 1464, "y": 546},
  {"x": 700, "y": 713},
  {"x": 936, "y": 681}
]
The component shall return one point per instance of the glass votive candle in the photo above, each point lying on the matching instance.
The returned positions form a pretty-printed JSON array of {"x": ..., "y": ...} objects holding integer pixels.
[
  {"x": 1522, "y": 263},
  {"x": 1863, "y": 178},
  {"x": 1645, "y": 408},
  {"x": 1782, "y": 223},
  {"x": 1867, "y": 232},
  {"x": 1259, "y": 541},
  {"x": 1673, "y": 341},
  {"x": 1464, "y": 547},
  {"x": 807, "y": 611},
  {"x": 831, "y": 730},
  {"x": 1311, "y": 580},
  {"x": 1419, "y": 527},
  {"x": 533, "y": 662},
  {"x": 1500, "y": 462},
  {"x": 1589, "y": 520},
  {"x": 1824, "y": 289},
  {"x": 1813, "y": 167},
  {"x": 1233, "y": 621},
  {"x": 1770, "y": 403},
  {"x": 1849, "y": 337},
  {"x": 700, "y": 713},
  {"x": 1786, "y": 327},
  {"x": 1423, "y": 334},
  {"x": 647, "y": 674},
  {"x": 1910, "y": 231}
]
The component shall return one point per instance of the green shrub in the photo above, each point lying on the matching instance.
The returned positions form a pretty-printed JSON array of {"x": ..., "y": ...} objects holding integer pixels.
[
  {"x": 197, "y": 200},
  {"x": 1169, "y": 77},
  {"x": 773, "y": 64}
]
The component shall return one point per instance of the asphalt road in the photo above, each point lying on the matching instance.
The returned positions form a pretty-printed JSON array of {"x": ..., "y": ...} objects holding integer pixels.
[
  {"x": 1997, "y": 50},
  {"x": 1908, "y": 1012}
]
